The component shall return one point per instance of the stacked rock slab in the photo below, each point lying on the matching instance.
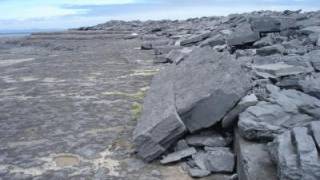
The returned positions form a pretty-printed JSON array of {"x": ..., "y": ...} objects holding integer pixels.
[
  {"x": 295, "y": 153},
  {"x": 285, "y": 110},
  {"x": 160, "y": 124},
  {"x": 207, "y": 85}
]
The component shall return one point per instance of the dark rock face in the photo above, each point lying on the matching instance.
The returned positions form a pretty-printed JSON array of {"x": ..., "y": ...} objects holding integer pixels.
[
  {"x": 284, "y": 110},
  {"x": 160, "y": 125},
  {"x": 296, "y": 153},
  {"x": 199, "y": 97}
]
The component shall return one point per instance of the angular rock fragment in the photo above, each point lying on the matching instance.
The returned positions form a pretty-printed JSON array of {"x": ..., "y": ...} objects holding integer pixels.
[
  {"x": 178, "y": 55},
  {"x": 177, "y": 156},
  {"x": 181, "y": 145},
  {"x": 313, "y": 57},
  {"x": 148, "y": 45},
  {"x": 198, "y": 173},
  {"x": 265, "y": 24},
  {"x": 163, "y": 50},
  {"x": 195, "y": 39},
  {"x": 281, "y": 69},
  {"x": 160, "y": 125},
  {"x": 270, "y": 50},
  {"x": 207, "y": 138},
  {"x": 311, "y": 86},
  {"x": 204, "y": 100},
  {"x": 220, "y": 160},
  {"x": 296, "y": 154},
  {"x": 285, "y": 110},
  {"x": 245, "y": 102},
  {"x": 253, "y": 160},
  {"x": 310, "y": 30},
  {"x": 315, "y": 131},
  {"x": 213, "y": 41},
  {"x": 242, "y": 35}
]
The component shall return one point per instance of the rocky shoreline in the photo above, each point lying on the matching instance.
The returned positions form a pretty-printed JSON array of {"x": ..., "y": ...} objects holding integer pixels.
[{"x": 240, "y": 95}]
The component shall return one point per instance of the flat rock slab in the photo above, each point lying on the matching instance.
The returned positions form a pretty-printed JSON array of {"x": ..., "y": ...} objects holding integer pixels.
[
  {"x": 220, "y": 160},
  {"x": 286, "y": 109},
  {"x": 281, "y": 69},
  {"x": 265, "y": 24},
  {"x": 177, "y": 156},
  {"x": 203, "y": 100},
  {"x": 160, "y": 125},
  {"x": 207, "y": 138},
  {"x": 253, "y": 160},
  {"x": 242, "y": 35}
]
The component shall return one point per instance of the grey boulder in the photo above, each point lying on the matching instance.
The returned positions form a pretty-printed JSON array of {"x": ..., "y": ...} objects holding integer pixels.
[
  {"x": 207, "y": 85},
  {"x": 160, "y": 125},
  {"x": 195, "y": 38},
  {"x": 220, "y": 160},
  {"x": 284, "y": 110},
  {"x": 207, "y": 138},
  {"x": 270, "y": 50},
  {"x": 242, "y": 35}
]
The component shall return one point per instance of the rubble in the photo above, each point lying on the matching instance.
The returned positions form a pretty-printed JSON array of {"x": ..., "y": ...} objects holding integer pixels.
[{"x": 256, "y": 72}]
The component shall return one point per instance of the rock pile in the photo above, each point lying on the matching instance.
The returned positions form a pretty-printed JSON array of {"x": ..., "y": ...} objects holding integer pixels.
[{"x": 240, "y": 95}]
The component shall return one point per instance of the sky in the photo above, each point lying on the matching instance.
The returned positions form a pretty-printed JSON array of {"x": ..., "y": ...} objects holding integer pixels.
[{"x": 63, "y": 14}]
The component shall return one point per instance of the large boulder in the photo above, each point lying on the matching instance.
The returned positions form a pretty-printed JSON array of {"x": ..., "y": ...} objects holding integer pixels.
[
  {"x": 207, "y": 85},
  {"x": 284, "y": 110},
  {"x": 296, "y": 153},
  {"x": 242, "y": 35},
  {"x": 160, "y": 125},
  {"x": 265, "y": 24}
]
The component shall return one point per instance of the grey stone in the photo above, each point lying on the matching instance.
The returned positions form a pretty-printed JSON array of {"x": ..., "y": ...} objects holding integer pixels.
[
  {"x": 310, "y": 30},
  {"x": 270, "y": 50},
  {"x": 178, "y": 55},
  {"x": 242, "y": 35},
  {"x": 198, "y": 173},
  {"x": 214, "y": 41},
  {"x": 311, "y": 86},
  {"x": 199, "y": 97},
  {"x": 207, "y": 138},
  {"x": 195, "y": 38},
  {"x": 220, "y": 160},
  {"x": 265, "y": 24},
  {"x": 285, "y": 110},
  {"x": 148, "y": 45},
  {"x": 177, "y": 156},
  {"x": 200, "y": 159},
  {"x": 313, "y": 57},
  {"x": 265, "y": 41},
  {"x": 181, "y": 145},
  {"x": 296, "y": 154},
  {"x": 160, "y": 125},
  {"x": 281, "y": 69},
  {"x": 253, "y": 160},
  {"x": 247, "y": 101},
  {"x": 163, "y": 50},
  {"x": 315, "y": 131}
]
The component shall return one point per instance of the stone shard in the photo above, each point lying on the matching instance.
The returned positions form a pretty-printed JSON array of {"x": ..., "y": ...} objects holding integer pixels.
[
  {"x": 177, "y": 156},
  {"x": 207, "y": 138},
  {"x": 270, "y": 50},
  {"x": 296, "y": 154},
  {"x": 204, "y": 100},
  {"x": 253, "y": 160},
  {"x": 242, "y": 35},
  {"x": 195, "y": 39},
  {"x": 181, "y": 145},
  {"x": 284, "y": 110},
  {"x": 265, "y": 24},
  {"x": 213, "y": 41},
  {"x": 160, "y": 125},
  {"x": 220, "y": 160},
  {"x": 198, "y": 173},
  {"x": 311, "y": 86},
  {"x": 247, "y": 101},
  {"x": 178, "y": 55},
  {"x": 281, "y": 69},
  {"x": 314, "y": 59}
]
